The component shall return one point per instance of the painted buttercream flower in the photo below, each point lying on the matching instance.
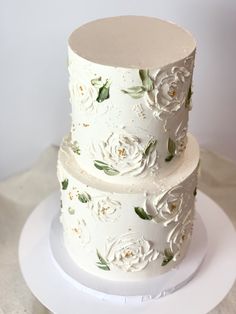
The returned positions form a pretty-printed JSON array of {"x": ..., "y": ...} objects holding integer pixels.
[
  {"x": 167, "y": 207},
  {"x": 105, "y": 208},
  {"x": 180, "y": 234},
  {"x": 165, "y": 90},
  {"x": 83, "y": 94},
  {"x": 169, "y": 92},
  {"x": 86, "y": 90},
  {"x": 130, "y": 252},
  {"x": 123, "y": 154},
  {"x": 76, "y": 228}
]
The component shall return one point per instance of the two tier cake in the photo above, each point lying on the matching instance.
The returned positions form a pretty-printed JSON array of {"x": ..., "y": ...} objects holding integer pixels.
[{"x": 128, "y": 169}]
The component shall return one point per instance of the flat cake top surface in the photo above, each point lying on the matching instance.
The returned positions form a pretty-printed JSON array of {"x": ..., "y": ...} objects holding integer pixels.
[{"x": 132, "y": 42}]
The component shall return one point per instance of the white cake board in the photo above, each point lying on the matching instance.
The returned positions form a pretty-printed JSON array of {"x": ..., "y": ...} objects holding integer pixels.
[{"x": 58, "y": 291}]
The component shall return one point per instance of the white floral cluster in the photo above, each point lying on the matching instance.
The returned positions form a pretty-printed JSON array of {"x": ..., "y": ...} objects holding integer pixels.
[
  {"x": 169, "y": 92},
  {"x": 104, "y": 208},
  {"x": 130, "y": 252},
  {"x": 124, "y": 153}
]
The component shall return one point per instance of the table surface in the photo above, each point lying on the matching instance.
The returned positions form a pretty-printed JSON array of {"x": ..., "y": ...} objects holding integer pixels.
[{"x": 21, "y": 193}]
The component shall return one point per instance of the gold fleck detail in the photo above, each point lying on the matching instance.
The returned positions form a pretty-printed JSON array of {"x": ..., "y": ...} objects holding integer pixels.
[
  {"x": 81, "y": 89},
  {"x": 129, "y": 253},
  {"x": 173, "y": 206},
  {"x": 121, "y": 152},
  {"x": 104, "y": 209},
  {"x": 172, "y": 92},
  {"x": 77, "y": 231}
]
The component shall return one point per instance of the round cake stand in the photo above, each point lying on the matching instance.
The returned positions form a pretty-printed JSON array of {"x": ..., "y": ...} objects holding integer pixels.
[{"x": 61, "y": 294}]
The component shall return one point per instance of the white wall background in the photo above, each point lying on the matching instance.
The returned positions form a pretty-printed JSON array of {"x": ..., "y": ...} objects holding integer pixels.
[{"x": 34, "y": 106}]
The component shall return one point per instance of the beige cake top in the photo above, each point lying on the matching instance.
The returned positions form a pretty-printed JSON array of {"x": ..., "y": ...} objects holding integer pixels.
[{"x": 132, "y": 42}]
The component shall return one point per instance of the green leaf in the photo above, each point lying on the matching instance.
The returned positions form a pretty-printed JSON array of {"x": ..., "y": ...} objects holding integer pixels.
[
  {"x": 102, "y": 264},
  {"x": 169, "y": 158},
  {"x": 97, "y": 82},
  {"x": 76, "y": 151},
  {"x": 171, "y": 150},
  {"x": 75, "y": 148},
  {"x": 110, "y": 171},
  {"x": 142, "y": 214},
  {"x": 71, "y": 211},
  {"x": 64, "y": 184},
  {"x": 195, "y": 191},
  {"x": 168, "y": 256},
  {"x": 103, "y": 92},
  {"x": 150, "y": 147},
  {"x": 103, "y": 267},
  {"x": 146, "y": 80},
  {"x": 101, "y": 259},
  {"x": 171, "y": 146},
  {"x": 188, "y": 98},
  {"x": 135, "y": 92},
  {"x": 100, "y": 164},
  {"x": 84, "y": 197}
]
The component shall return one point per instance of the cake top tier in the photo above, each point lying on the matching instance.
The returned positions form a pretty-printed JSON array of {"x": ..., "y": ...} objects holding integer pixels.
[
  {"x": 132, "y": 42},
  {"x": 130, "y": 91}
]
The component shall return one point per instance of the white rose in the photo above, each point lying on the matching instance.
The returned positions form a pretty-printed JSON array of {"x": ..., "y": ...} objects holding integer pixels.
[
  {"x": 130, "y": 252},
  {"x": 105, "y": 209},
  {"x": 170, "y": 91},
  {"x": 180, "y": 234},
  {"x": 167, "y": 207},
  {"x": 83, "y": 94},
  {"x": 125, "y": 154},
  {"x": 76, "y": 228}
]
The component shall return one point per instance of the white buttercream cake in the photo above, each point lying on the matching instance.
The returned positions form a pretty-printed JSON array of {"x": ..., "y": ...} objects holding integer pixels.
[{"x": 128, "y": 168}]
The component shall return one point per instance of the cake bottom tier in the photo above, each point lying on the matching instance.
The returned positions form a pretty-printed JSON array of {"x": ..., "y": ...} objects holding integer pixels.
[{"x": 125, "y": 232}]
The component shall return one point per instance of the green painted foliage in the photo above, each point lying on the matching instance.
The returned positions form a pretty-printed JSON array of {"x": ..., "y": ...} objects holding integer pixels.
[
  {"x": 142, "y": 214},
  {"x": 64, "y": 184},
  {"x": 102, "y": 263},
  {"x": 168, "y": 256},
  {"x": 109, "y": 170}
]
